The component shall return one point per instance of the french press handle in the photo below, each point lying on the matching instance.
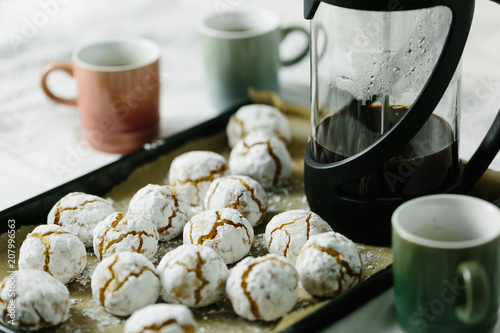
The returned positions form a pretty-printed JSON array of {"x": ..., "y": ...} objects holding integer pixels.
[{"x": 399, "y": 135}]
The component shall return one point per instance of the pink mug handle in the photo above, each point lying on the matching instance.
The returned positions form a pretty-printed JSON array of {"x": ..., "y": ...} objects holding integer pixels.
[{"x": 58, "y": 65}]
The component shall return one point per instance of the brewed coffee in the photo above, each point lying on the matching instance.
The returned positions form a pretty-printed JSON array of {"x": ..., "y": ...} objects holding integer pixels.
[{"x": 426, "y": 164}]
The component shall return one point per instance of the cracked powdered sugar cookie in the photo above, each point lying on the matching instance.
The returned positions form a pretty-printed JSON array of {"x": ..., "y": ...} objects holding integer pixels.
[
  {"x": 262, "y": 158},
  {"x": 32, "y": 299},
  {"x": 192, "y": 173},
  {"x": 163, "y": 206},
  {"x": 241, "y": 193},
  {"x": 287, "y": 232},
  {"x": 125, "y": 282},
  {"x": 51, "y": 249},
  {"x": 121, "y": 233},
  {"x": 258, "y": 117},
  {"x": 79, "y": 213},
  {"x": 163, "y": 318},
  {"x": 225, "y": 230},
  {"x": 263, "y": 288},
  {"x": 193, "y": 275},
  {"x": 329, "y": 264}
]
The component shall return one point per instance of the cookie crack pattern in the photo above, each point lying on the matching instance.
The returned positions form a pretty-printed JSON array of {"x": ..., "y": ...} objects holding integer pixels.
[
  {"x": 113, "y": 225},
  {"x": 59, "y": 209},
  {"x": 46, "y": 243},
  {"x": 289, "y": 238},
  {"x": 277, "y": 162},
  {"x": 4, "y": 302},
  {"x": 198, "y": 271},
  {"x": 242, "y": 125},
  {"x": 341, "y": 262},
  {"x": 208, "y": 178},
  {"x": 107, "y": 288},
  {"x": 200, "y": 277},
  {"x": 164, "y": 230},
  {"x": 123, "y": 236},
  {"x": 254, "y": 307},
  {"x": 220, "y": 222},
  {"x": 213, "y": 193},
  {"x": 114, "y": 276},
  {"x": 253, "y": 196},
  {"x": 159, "y": 327}
]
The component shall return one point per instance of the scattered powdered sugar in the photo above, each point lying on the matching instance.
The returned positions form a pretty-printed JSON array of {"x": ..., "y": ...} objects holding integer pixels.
[
  {"x": 103, "y": 319},
  {"x": 85, "y": 276}
]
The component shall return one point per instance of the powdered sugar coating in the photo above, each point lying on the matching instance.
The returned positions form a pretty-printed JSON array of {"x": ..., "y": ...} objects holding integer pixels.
[
  {"x": 260, "y": 117},
  {"x": 40, "y": 299},
  {"x": 163, "y": 206},
  {"x": 241, "y": 193},
  {"x": 121, "y": 233},
  {"x": 193, "y": 275},
  {"x": 192, "y": 173},
  {"x": 329, "y": 264},
  {"x": 263, "y": 158},
  {"x": 51, "y": 249},
  {"x": 263, "y": 288},
  {"x": 225, "y": 230},
  {"x": 287, "y": 232},
  {"x": 79, "y": 213},
  {"x": 164, "y": 318},
  {"x": 125, "y": 282}
]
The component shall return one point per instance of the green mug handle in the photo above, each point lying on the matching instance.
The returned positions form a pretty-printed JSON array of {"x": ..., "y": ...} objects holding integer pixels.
[
  {"x": 477, "y": 297},
  {"x": 303, "y": 53}
]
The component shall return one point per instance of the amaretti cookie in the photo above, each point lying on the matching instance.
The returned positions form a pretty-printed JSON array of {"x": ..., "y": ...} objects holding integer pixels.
[
  {"x": 263, "y": 158},
  {"x": 225, "y": 230},
  {"x": 263, "y": 288},
  {"x": 258, "y": 117},
  {"x": 241, "y": 193},
  {"x": 287, "y": 232},
  {"x": 32, "y": 299},
  {"x": 329, "y": 264},
  {"x": 163, "y": 206},
  {"x": 52, "y": 249},
  {"x": 79, "y": 213},
  {"x": 121, "y": 233},
  {"x": 163, "y": 318},
  {"x": 192, "y": 173},
  {"x": 125, "y": 282},
  {"x": 193, "y": 275}
]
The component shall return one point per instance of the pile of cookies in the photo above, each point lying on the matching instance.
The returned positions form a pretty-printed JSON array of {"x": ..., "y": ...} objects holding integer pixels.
[{"x": 214, "y": 205}]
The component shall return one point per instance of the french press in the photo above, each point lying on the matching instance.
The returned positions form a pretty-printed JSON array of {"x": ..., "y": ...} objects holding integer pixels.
[{"x": 385, "y": 109}]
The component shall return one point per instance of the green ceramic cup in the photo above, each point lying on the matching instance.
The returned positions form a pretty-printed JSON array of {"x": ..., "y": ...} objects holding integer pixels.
[
  {"x": 241, "y": 51},
  {"x": 446, "y": 252}
]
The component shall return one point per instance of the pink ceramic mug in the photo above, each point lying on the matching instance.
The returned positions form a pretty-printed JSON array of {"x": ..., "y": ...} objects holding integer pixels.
[{"x": 118, "y": 85}]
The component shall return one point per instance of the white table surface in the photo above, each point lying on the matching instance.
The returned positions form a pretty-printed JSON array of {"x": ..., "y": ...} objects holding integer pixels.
[{"x": 41, "y": 143}]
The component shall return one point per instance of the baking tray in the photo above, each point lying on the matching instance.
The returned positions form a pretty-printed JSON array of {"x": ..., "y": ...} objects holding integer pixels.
[{"x": 109, "y": 178}]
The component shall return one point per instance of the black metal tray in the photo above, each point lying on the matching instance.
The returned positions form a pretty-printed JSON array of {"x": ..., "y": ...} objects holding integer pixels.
[{"x": 34, "y": 211}]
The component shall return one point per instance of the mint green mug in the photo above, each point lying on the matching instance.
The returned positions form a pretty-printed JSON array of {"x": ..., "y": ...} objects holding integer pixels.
[
  {"x": 446, "y": 251},
  {"x": 241, "y": 50}
]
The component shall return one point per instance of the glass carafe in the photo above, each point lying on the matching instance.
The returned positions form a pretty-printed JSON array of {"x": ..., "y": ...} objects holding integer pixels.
[{"x": 385, "y": 109}]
